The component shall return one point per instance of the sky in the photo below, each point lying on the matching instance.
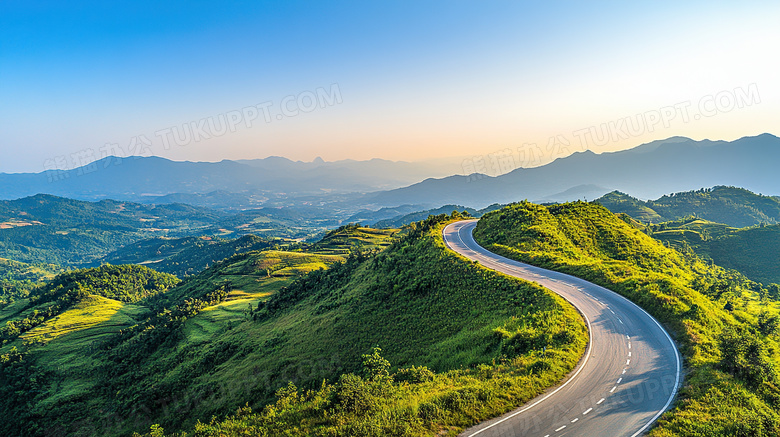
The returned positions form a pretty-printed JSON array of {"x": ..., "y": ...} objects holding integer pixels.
[{"x": 399, "y": 80}]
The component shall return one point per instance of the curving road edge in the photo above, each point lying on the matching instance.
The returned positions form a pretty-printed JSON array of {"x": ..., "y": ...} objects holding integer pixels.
[{"x": 628, "y": 377}]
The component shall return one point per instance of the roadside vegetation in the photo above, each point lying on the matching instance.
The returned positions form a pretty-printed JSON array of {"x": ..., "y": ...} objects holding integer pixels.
[{"x": 726, "y": 325}]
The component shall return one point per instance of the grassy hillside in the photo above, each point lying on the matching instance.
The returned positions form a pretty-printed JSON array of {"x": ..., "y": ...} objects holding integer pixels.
[
  {"x": 752, "y": 251},
  {"x": 730, "y": 205},
  {"x": 45, "y": 358},
  {"x": 726, "y": 331},
  {"x": 46, "y": 304},
  {"x": 67, "y": 320},
  {"x": 463, "y": 344},
  {"x": 621, "y": 203},
  {"x": 459, "y": 344},
  {"x": 353, "y": 237}
]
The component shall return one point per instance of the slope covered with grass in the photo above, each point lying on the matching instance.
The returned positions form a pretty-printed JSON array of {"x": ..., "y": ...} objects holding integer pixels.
[
  {"x": 726, "y": 332},
  {"x": 59, "y": 338},
  {"x": 752, "y": 251},
  {"x": 46, "y": 359},
  {"x": 463, "y": 344},
  {"x": 77, "y": 338},
  {"x": 459, "y": 344}
]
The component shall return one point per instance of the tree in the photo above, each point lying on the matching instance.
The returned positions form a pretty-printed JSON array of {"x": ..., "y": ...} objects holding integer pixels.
[
  {"x": 744, "y": 355},
  {"x": 773, "y": 290},
  {"x": 374, "y": 366},
  {"x": 768, "y": 324}
]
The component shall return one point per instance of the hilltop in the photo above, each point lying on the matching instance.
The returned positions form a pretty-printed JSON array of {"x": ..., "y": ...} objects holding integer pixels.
[
  {"x": 733, "y": 206},
  {"x": 733, "y": 227}
]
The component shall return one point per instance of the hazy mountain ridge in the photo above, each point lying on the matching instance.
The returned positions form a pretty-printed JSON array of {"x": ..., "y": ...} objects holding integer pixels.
[
  {"x": 159, "y": 180},
  {"x": 647, "y": 171}
]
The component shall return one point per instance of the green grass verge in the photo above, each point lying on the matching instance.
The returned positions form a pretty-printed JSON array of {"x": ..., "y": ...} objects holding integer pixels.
[{"x": 727, "y": 332}]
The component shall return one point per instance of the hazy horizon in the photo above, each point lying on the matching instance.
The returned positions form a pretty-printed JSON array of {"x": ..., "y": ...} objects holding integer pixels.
[
  {"x": 446, "y": 165},
  {"x": 401, "y": 81}
]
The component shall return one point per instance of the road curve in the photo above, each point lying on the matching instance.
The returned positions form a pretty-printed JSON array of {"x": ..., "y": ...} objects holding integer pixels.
[{"x": 628, "y": 377}]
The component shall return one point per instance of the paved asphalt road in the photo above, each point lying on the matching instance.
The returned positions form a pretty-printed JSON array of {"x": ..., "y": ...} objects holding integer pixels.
[{"x": 629, "y": 374}]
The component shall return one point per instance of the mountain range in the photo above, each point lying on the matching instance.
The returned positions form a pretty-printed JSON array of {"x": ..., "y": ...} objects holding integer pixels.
[
  {"x": 246, "y": 183},
  {"x": 647, "y": 171}
]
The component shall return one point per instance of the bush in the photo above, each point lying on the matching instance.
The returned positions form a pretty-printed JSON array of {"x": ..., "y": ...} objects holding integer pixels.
[{"x": 414, "y": 375}]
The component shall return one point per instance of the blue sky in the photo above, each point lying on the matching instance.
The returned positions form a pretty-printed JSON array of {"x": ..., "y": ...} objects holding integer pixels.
[{"x": 416, "y": 80}]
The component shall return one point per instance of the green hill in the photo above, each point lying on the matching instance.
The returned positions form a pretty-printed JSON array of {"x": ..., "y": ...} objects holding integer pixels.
[
  {"x": 752, "y": 251},
  {"x": 730, "y": 205},
  {"x": 465, "y": 344},
  {"x": 405, "y": 219},
  {"x": 726, "y": 331},
  {"x": 621, "y": 203}
]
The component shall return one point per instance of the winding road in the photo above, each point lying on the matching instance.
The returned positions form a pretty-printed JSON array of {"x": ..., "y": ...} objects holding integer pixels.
[{"x": 628, "y": 377}]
